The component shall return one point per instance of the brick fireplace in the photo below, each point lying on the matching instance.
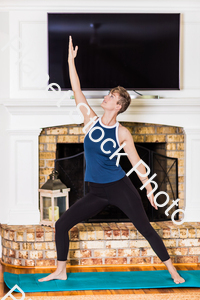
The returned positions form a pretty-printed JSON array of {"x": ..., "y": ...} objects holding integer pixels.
[{"x": 172, "y": 136}]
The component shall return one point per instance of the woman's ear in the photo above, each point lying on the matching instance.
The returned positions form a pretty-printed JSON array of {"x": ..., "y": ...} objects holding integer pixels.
[{"x": 119, "y": 106}]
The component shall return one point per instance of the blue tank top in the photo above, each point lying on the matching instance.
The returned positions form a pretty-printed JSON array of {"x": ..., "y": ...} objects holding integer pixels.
[{"x": 99, "y": 167}]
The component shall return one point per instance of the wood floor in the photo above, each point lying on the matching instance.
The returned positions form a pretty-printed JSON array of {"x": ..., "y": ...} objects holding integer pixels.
[{"x": 4, "y": 290}]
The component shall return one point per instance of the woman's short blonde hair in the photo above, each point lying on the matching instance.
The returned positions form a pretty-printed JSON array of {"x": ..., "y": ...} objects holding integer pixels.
[{"x": 124, "y": 100}]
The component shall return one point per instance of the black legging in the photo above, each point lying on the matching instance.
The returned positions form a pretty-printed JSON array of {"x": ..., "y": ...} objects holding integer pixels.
[{"x": 120, "y": 193}]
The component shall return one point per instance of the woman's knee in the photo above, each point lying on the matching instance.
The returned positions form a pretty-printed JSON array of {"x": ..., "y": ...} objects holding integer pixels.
[
  {"x": 59, "y": 225},
  {"x": 147, "y": 231},
  {"x": 63, "y": 224}
]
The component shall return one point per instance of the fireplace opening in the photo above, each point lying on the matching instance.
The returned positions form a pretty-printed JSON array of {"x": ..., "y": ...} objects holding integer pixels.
[{"x": 70, "y": 163}]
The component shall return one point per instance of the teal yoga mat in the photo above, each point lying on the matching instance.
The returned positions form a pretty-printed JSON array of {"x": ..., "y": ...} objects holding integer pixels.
[{"x": 102, "y": 281}]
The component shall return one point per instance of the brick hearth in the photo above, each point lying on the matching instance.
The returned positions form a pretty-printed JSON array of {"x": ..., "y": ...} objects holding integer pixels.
[{"x": 99, "y": 244}]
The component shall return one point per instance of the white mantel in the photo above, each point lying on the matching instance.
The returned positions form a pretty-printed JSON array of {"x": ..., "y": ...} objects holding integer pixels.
[{"x": 25, "y": 108}]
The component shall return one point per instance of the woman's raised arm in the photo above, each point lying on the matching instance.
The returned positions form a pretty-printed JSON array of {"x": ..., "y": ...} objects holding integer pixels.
[{"x": 75, "y": 83}]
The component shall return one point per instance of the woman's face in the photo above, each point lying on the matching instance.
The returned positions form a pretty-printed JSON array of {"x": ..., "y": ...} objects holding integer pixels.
[{"x": 110, "y": 102}]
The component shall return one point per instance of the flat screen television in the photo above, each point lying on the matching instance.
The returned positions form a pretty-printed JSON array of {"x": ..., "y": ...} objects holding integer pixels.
[{"x": 139, "y": 51}]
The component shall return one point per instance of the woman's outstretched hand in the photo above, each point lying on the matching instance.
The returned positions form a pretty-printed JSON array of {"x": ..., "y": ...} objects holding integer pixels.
[
  {"x": 72, "y": 52},
  {"x": 151, "y": 199}
]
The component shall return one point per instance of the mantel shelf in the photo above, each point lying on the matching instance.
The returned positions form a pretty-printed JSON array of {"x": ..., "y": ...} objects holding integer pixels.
[{"x": 171, "y": 106}]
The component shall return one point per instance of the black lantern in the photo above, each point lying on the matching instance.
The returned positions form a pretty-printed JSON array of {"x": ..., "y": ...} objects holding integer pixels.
[{"x": 54, "y": 200}]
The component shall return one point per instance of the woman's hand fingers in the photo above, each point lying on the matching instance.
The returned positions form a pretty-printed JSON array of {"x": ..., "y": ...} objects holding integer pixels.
[
  {"x": 75, "y": 51},
  {"x": 151, "y": 199},
  {"x": 72, "y": 52},
  {"x": 70, "y": 47},
  {"x": 70, "y": 42}
]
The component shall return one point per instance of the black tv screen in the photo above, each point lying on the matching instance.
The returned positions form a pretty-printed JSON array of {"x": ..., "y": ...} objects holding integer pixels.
[{"x": 134, "y": 50}]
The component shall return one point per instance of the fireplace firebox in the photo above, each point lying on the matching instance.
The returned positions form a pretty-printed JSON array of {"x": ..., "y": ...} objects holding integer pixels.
[{"x": 70, "y": 163}]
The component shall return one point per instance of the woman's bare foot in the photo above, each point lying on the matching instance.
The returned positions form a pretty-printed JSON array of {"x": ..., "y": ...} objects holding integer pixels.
[
  {"x": 172, "y": 270},
  {"x": 60, "y": 273},
  {"x": 54, "y": 275},
  {"x": 175, "y": 276}
]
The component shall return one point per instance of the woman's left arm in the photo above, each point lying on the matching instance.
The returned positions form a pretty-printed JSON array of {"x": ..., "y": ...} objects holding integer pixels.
[{"x": 134, "y": 158}]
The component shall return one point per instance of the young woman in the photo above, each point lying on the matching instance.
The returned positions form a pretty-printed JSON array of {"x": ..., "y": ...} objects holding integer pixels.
[{"x": 108, "y": 182}]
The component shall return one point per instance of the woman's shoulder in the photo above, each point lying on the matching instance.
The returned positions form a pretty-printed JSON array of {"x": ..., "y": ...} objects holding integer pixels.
[
  {"x": 89, "y": 124},
  {"x": 123, "y": 132},
  {"x": 122, "y": 129}
]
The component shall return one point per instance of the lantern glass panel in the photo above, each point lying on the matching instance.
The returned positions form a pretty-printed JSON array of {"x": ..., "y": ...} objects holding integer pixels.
[
  {"x": 60, "y": 202},
  {"x": 46, "y": 205},
  {"x": 59, "y": 208}
]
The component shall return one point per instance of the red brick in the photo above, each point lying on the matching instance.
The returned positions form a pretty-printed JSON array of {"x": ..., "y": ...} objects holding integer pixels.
[
  {"x": 23, "y": 254},
  {"x": 27, "y": 246},
  {"x": 48, "y": 236},
  {"x": 117, "y": 244},
  {"x": 194, "y": 250},
  {"x": 187, "y": 259},
  {"x": 17, "y": 262},
  {"x": 45, "y": 262},
  {"x": 91, "y": 235},
  {"x": 113, "y": 226},
  {"x": 145, "y": 130},
  {"x": 12, "y": 235},
  {"x": 116, "y": 261},
  {"x": 47, "y": 139},
  {"x": 138, "y": 138},
  {"x": 128, "y": 252},
  {"x": 175, "y": 138},
  {"x": 8, "y": 260},
  {"x": 80, "y": 253},
  {"x": 11, "y": 253},
  {"x": 178, "y": 251},
  {"x": 30, "y": 236},
  {"x": 73, "y": 262},
  {"x": 116, "y": 234},
  {"x": 50, "y": 246},
  {"x": 29, "y": 263},
  {"x": 156, "y": 260},
  {"x": 6, "y": 234},
  {"x": 166, "y": 129},
  {"x": 108, "y": 234},
  {"x": 183, "y": 233},
  {"x": 20, "y": 236},
  {"x": 125, "y": 233},
  {"x": 8, "y": 244},
  {"x": 39, "y": 235},
  {"x": 105, "y": 253},
  {"x": 91, "y": 261},
  {"x": 122, "y": 226},
  {"x": 36, "y": 254},
  {"x": 189, "y": 242},
  {"x": 74, "y": 234},
  {"x": 140, "y": 260},
  {"x": 147, "y": 252}
]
